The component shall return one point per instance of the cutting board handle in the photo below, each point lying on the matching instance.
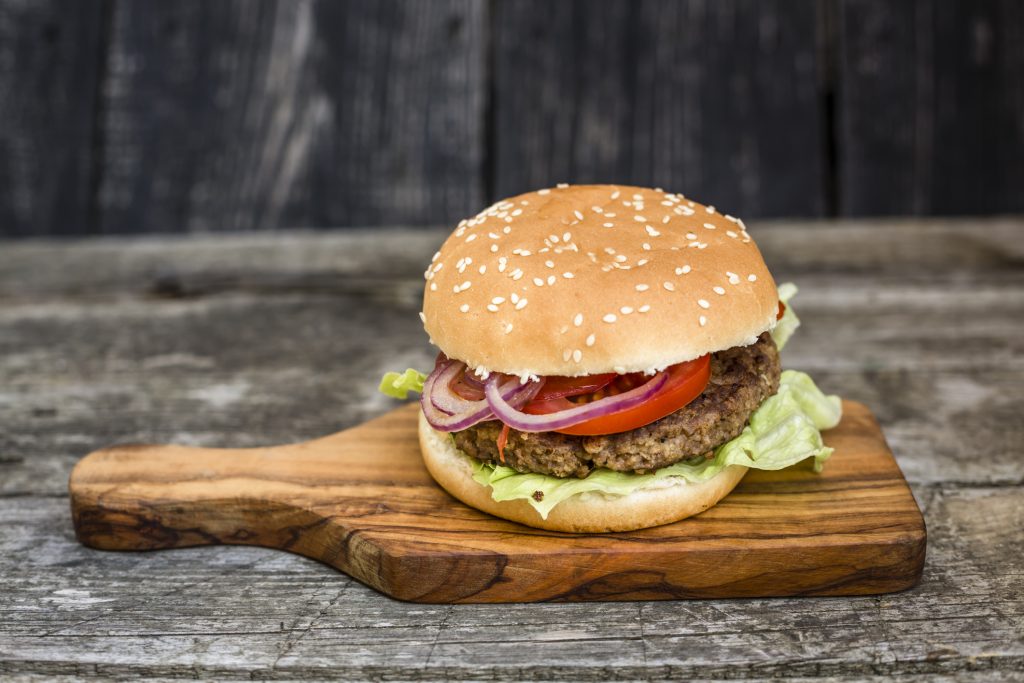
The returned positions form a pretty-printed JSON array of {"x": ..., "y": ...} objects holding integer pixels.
[{"x": 146, "y": 497}]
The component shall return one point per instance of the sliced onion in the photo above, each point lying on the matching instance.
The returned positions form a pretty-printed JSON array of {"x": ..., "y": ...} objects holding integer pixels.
[
  {"x": 525, "y": 422},
  {"x": 448, "y": 412}
]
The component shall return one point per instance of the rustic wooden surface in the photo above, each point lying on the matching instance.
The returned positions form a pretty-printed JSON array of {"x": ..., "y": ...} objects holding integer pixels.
[
  {"x": 362, "y": 501},
  {"x": 127, "y": 116},
  {"x": 251, "y": 340}
]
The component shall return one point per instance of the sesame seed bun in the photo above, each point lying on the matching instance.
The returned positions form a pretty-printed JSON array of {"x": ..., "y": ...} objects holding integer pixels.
[
  {"x": 582, "y": 513},
  {"x": 587, "y": 279}
]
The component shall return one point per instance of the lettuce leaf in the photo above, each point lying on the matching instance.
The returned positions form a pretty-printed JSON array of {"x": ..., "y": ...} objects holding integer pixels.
[
  {"x": 785, "y": 328},
  {"x": 398, "y": 385},
  {"x": 785, "y": 430}
]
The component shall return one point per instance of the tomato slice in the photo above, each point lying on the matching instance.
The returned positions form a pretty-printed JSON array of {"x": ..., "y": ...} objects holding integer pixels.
[
  {"x": 782, "y": 311},
  {"x": 559, "y": 387},
  {"x": 685, "y": 382}
]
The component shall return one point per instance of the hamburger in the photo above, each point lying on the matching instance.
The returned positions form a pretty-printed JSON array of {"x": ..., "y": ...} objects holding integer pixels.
[{"x": 609, "y": 361}]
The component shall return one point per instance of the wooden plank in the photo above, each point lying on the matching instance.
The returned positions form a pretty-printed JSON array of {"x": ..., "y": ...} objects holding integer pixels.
[
  {"x": 240, "y": 612},
  {"x": 266, "y": 114},
  {"x": 930, "y": 104},
  {"x": 717, "y": 100},
  {"x": 50, "y": 59},
  {"x": 778, "y": 533}
]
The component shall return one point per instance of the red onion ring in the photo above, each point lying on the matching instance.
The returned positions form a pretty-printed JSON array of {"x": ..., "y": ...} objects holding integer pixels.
[
  {"x": 525, "y": 422},
  {"x": 448, "y": 412}
]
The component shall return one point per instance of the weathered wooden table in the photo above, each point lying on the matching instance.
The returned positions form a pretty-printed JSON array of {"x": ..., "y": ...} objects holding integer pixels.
[{"x": 259, "y": 339}]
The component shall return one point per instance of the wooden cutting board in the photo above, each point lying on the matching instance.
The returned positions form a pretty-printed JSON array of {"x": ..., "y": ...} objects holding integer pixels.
[{"x": 362, "y": 501}]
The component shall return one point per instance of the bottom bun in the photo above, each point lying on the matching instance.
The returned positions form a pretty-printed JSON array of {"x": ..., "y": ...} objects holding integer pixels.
[{"x": 585, "y": 513}]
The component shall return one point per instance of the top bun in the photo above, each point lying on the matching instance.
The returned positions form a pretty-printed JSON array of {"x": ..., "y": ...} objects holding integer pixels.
[{"x": 585, "y": 279}]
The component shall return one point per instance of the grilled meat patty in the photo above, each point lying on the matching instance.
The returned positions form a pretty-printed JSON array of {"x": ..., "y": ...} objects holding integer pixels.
[{"x": 741, "y": 379}]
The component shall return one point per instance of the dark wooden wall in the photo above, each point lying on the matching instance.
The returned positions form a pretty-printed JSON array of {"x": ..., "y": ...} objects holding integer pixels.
[{"x": 126, "y": 116}]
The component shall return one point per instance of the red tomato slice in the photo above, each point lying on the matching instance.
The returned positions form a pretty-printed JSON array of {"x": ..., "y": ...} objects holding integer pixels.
[
  {"x": 782, "y": 311},
  {"x": 685, "y": 382},
  {"x": 559, "y": 387}
]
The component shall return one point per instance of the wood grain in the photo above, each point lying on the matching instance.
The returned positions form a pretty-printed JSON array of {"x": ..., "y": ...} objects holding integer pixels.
[
  {"x": 930, "y": 103},
  {"x": 718, "y": 100},
  {"x": 362, "y": 501},
  {"x": 50, "y": 75},
  {"x": 251, "y": 115}
]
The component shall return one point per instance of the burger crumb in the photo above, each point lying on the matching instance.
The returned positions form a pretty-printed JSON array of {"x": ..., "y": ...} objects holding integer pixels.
[{"x": 538, "y": 496}]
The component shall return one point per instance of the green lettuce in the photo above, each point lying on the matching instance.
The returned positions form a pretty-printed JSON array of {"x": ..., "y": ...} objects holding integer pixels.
[
  {"x": 785, "y": 328},
  {"x": 398, "y": 385}
]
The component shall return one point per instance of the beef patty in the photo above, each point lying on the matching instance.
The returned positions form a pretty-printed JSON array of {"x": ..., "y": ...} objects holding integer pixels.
[{"x": 741, "y": 379}]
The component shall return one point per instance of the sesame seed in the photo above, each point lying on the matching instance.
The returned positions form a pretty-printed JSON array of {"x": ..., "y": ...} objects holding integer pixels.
[
  {"x": 423, "y": 318},
  {"x": 621, "y": 258},
  {"x": 619, "y": 369},
  {"x": 666, "y": 219},
  {"x": 610, "y": 215},
  {"x": 521, "y": 304},
  {"x": 578, "y": 320},
  {"x": 703, "y": 321},
  {"x": 517, "y": 274},
  {"x": 718, "y": 290},
  {"x": 731, "y": 234},
  {"x": 482, "y": 269},
  {"x": 492, "y": 308},
  {"x": 494, "y": 248},
  {"x": 642, "y": 262},
  {"x": 564, "y": 329},
  {"x": 666, "y": 203},
  {"x": 626, "y": 310},
  {"x": 515, "y": 298},
  {"x": 433, "y": 286},
  {"x": 567, "y": 354},
  {"x": 669, "y": 286},
  {"x": 610, "y": 318},
  {"x": 703, "y": 303},
  {"x": 553, "y": 238},
  {"x": 578, "y": 214},
  {"x": 493, "y": 235},
  {"x": 752, "y": 278},
  {"x": 608, "y": 225},
  {"x": 691, "y": 236},
  {"x": 471, "y": 237},
  {"x": 507, "y": 229},
  {"x": 577, "y": 355},
  {"x": 498, "y": 300},
  {"x": 734, "y": 279},
  {"x": 597, "y": 209},
  {"x": 566, "y": 237},
  {"x": 615, "y": 195},
  {"x": 590, "y": 340},
  {"x": 437, "y": 255},
  {"x": 549, "y": 264},
  {"x": 551, "y": 279},
  {"x": 538, "y": 281},
  {"x": 544, "y": 191},
  {"x": 639, "y": 219},
  {"x": 709, "y": 226},
  {"x": 464, "y": 308},
  {"x": 508, "y": 327},
  {"x": 562, "y": 186},
  {"x": 730, "y": 218},
  {"x": 709, "y": 209},
  {"x": 651, "y": 231},
  {"x": 646, "y": 246},
  {"x": 517, "y": 212},
  {"x": 644, "y": 308},
  {"x": 642, "y": 288},
  {"x": 568, "y": 276}
]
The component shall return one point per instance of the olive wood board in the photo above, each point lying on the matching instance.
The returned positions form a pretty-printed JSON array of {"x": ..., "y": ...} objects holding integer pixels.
[{"x": 362, "y": 501}]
